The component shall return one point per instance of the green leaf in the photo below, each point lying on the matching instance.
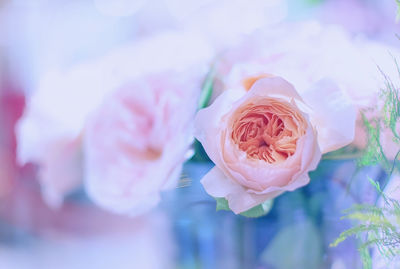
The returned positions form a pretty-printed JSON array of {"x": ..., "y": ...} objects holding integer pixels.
[
  {"x": 255, "y": 212},
  {"x": 398, "y": 11},
  {"x": 200, "y": 154},
  {"x": 345, "y": 153},
  {"x": 259, "y": 211},
  {"x": 222, "y": 204},
  {"x": 366, "y": 258},
  {"x": 314, "y": 2},
  {"x": 207, "y": 89}
]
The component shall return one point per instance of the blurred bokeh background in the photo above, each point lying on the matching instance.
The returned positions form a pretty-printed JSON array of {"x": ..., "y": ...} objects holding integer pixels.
[{"x": 38, "y": 37}]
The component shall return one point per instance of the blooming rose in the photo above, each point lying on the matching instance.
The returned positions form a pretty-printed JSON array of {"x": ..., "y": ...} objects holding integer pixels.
[
  {"x": 141, "y": 81},
  {"x": 304, "y": 53},
  {"x": 136, "y": 141},
  {"x": 264, "y": 137}
]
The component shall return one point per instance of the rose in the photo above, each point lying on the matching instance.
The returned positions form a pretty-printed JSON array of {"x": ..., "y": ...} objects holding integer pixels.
[
  {"x": 136, "y": 141},
  {"x": 302, "y": 57},
  {"x": 319, "y": 52},
  {"x": 264, "y": 138},
  {"x": 53, "y": 127}
]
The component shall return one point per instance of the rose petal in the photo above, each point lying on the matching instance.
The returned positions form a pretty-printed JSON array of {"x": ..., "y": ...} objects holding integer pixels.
[
  {"x": 239, "y": 199},
  {"x": 61, "y": 171},
  {"x": 57, "y": 153},
  {"x": 242, "y": 202},
  {"x": 334, "y": 115},
  {"x": 218, "y": 185},
  {"x": 208, "y": 122},
  {"x": 274, "y": 87}
]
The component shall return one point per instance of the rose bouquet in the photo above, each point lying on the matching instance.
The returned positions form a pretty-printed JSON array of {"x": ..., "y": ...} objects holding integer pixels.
[{"x": 286, "y": 121}]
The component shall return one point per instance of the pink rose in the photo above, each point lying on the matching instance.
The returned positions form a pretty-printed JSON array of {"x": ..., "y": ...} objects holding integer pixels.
[
  {"x": 264, "y": 137},
  {"x": 304, "y": 53},
  {"x": 140, "y": 84},
  {"x": 137, "y": 140}
]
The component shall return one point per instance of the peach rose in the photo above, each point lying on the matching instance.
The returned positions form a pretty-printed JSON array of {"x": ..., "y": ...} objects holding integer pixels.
[
  {"x": 264, "y": 137},
  {"x": 304, "y": 53},
  {"x": 137, "y": 140}
]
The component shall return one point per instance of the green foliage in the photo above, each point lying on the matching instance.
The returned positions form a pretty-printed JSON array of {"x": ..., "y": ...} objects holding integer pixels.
[
  {"x": 366, "y": 258},
  {"x": 207, "y": 89},
  {"x": 387, "y": 119},
  {"x": 398, "y": 10},
  {"x": 345, "y": 153},
  {"x": 314, "y": 2},
  {"x": 222, "y": 204},
  {"x": 373, "y": 153},
  {"x": 255, "y": 212},
  {"x": 259, "y": 211},
  {"x": 200, "y": 154},
  {"x": 205, "y": 95},
  {"x": 391, "y": 108},
  {"x": 378, "y": 225}
]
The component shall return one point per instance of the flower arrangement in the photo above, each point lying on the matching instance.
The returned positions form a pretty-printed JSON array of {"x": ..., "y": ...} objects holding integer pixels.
[{"x": 290, "y": 129}]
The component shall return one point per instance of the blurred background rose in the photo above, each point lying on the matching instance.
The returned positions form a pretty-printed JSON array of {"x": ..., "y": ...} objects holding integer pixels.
[{"x": 151, "y": 87}]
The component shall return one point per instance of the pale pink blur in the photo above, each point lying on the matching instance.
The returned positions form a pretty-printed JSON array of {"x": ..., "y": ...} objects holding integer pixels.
[{"x": 68, "y": 107}]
